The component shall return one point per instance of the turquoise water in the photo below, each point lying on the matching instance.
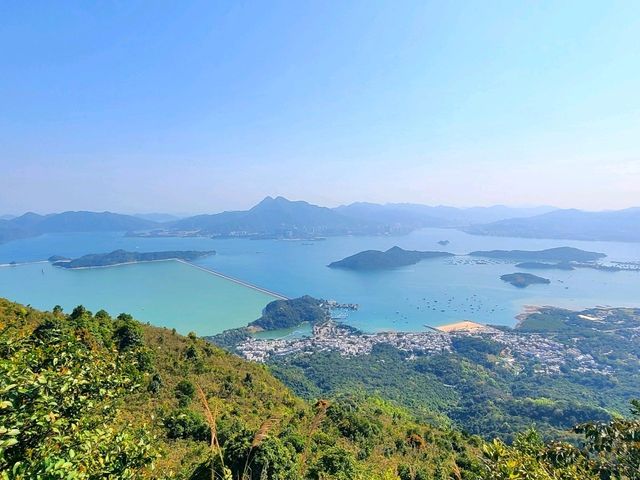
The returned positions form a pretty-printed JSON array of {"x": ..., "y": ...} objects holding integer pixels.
[
  {"x": 433, "y": 292},
  {"x": 169, "y": 294}
]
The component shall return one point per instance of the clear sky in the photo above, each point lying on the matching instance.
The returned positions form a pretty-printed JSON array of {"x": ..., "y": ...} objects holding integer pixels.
[{"x": 203, "y": 106}]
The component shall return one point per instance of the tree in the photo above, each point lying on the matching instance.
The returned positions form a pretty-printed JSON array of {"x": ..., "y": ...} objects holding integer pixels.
[
  {"x": 335, "y": 463},
  {"x": 128, "y": 333}
]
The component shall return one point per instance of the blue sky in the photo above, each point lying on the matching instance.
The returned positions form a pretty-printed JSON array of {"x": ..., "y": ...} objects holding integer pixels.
[{"x": 204, "y": 106}]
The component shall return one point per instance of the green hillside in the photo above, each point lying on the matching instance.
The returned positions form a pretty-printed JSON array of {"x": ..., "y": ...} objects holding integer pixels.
[
  {"x": 88, "y": 396},
  {"x": 112, "y": 398}
]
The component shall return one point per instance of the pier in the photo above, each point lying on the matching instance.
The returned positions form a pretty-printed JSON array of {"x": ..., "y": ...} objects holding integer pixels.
[{"x": 235, "y": 280}]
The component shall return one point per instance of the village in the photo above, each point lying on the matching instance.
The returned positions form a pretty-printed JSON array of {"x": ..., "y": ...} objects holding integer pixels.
[{"x": 548, "y": 355}]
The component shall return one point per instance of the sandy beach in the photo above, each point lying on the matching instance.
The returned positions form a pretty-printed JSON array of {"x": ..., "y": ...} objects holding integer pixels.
[{"x": 465, "y": 325}]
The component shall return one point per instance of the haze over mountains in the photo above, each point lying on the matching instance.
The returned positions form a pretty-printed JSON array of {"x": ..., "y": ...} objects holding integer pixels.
[
  {"x": 618, "y": 225},
  {"x": 282, "y": 218},
  {"x": 31, "y": 224}
]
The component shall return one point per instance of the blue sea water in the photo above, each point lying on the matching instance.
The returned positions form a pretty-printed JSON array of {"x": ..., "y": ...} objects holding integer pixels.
[{"x": 433, "y": 292}]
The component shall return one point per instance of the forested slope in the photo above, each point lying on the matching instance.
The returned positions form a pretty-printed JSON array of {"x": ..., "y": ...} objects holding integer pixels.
[{"x": 88, "y": 396}]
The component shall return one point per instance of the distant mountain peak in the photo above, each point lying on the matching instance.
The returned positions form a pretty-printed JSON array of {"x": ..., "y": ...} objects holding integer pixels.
[{"x": 269, "y": 201}]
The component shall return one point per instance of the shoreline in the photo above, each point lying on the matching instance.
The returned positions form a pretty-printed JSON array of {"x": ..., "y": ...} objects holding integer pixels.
[{"x": 117, "y": 264}]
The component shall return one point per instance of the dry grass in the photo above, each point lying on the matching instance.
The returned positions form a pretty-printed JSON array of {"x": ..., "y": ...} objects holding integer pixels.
[
  {"x": 321, "y": 411},
  {"x": 263, "y": 431}
]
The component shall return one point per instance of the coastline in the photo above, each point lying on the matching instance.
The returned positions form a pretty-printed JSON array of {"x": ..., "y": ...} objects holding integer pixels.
[
  {"x": 117, "y": 264},
  {"x": 528, "y": 310}
]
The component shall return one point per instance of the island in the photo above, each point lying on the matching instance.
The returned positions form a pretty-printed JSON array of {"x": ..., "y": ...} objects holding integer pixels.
[
  {"x": 444, "y": 243},
  {"x": 559, "y": 254},
  {"x": 121, "y": 257},
  {"x": 546, "y": 266},
  {"x": 523, "y": 280},
  {"x": 392, "y": 258},
  {"x": 291, "y": 313}
]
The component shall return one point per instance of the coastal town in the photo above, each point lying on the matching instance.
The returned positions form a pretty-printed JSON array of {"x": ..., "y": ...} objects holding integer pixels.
[{"x": 548, "y": 355}]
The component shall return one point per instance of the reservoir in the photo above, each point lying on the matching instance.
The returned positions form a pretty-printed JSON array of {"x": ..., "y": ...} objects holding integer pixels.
[{"x": 171, "y": 294}]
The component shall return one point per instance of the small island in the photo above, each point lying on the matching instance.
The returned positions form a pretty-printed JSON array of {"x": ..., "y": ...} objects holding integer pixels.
[
  {"x": 121, "y": 257},
  {"x": 545, "y": 266},
  {"x": 291, "y": 313},
  {"x": 523, "y": 280},
  {"x": 559, "y": 254},
  {"x": 392, "y": 258},
  {"x": 444, "y": 243}
]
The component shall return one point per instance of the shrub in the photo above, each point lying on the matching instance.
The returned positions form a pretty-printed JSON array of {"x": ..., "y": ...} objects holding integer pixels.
[
  {"x": 187, "y": 424},
  {"x": 184, "y": 392}
]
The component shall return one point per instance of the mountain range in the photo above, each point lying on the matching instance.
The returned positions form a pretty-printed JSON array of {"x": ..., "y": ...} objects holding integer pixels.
[
  {"x": 274, "y": 216},
  {"x": 281, "y": 218},
  {"x": 31, "y": 224},
  {"x": 618, "y": 225}
]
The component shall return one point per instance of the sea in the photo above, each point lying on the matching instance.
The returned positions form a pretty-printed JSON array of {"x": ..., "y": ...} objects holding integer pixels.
[{"x": 431, "y": 293}]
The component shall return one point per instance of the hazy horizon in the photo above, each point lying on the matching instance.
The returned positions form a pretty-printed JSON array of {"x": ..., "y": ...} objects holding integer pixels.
[
  {"x": 248, "y": 206},
  {"x": 201, "y": 108}
]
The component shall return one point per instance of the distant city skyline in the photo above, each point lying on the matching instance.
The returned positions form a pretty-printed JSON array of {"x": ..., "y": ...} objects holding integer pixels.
[{"x": 196, "y": 107}]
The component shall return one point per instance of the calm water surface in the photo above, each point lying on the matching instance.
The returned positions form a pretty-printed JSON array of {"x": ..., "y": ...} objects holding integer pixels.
[
  {"x": 169, "y": 294},
  {"x": 433, "y": 292}
]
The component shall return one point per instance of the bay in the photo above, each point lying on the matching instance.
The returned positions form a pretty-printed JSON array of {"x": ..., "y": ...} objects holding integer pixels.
[{"x": 433, "y": 292}]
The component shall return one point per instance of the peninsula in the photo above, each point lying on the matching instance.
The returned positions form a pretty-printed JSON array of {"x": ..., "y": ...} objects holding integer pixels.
[
  {"x": 545, "y": 266},
  {"x": 291, "y": 313},
  {"x": 559, "y": 254},
  {"x": 392, "y": 258},
  {"x": 120, "y": 257},
  {"x": 523, "y": 280},
  {"x": 282, "y": 314}
]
